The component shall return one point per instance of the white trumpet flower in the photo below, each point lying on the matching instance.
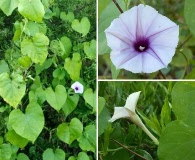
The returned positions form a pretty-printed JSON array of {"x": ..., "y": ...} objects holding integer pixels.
[{"x": 128, "y": 111}]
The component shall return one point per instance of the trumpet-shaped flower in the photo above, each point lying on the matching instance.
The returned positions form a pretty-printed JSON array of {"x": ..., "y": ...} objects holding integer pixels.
[
  {"x": 78, "y": 87},
  {"x": 142, "y": 40},
  {"x": 128, "y": 111}
]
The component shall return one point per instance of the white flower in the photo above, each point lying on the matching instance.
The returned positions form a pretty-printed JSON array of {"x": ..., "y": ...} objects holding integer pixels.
[
  {"x": 78, "y": 87},
  {"x": 128, "y": 111},
  {"x": 142, "y": 40}
]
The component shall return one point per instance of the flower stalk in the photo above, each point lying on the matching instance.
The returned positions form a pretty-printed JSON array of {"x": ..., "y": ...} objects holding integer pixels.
[{"x": 136, "y": 119}]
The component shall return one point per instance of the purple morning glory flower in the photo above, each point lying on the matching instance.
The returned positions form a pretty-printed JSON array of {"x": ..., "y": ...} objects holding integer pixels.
[
  {"x": 78, "y": 87},
  {"x": 142, "y": 40}
]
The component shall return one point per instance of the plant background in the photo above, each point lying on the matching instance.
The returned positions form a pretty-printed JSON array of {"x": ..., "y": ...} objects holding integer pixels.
[
  {"x": 39, "y": 81},
  {"x": 166, "y": 108},
  {"x": 179, "y": 11}
]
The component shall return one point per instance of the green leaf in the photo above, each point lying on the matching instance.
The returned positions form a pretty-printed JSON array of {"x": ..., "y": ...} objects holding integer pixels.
[
  {"x": 67, "y": 46},
  {"x": 40, "y": 67},
  {"x": 191, "y": 75},
  {"x": 36, "y": 48},
  {"x": 24, "y": 61},
  {"x": 70, "y": 132},
  {"x": 4, "y": 67},
  {"x": 16, "y": 139},
  {"x": 12, "y": 88},
  {"x": 73, "y": 66},
  {"x": 71, "y": 104},
  {"x": 101, "y": 104},
  {"x": 57, "y": 47},
  {"x": 7, "y": 6},
  {"x": 22, "y": 156},
  {"x": 183, "y": 103},
  {"x": 58, "y": 98},
  {"x": 189, "y": 15},
  {"x": 59, "y": 73},
  {"x": 115, "y": 72},
  {"x": 103, "y": 120},
  {"x": 177, "y": 142},
  {"x": 32, "y": 28},
  {"x": 144, "y": 153},
  {"x": 82, "y": 27},
  {"x": 102, "y": 4},
  {"x": 90, "y": 98},
  {"x": 90, "y": 49},
  {"x": 87, "y": 142},
  {"x": 30, "y": 124},
  {"x": 31, "y": 9},
  {"x": 165, "y": 116},
  {"x": 67, "y": 17},
  {"x": 72, "y": 158},
  {"x": 108, "y": 15},
  {"x": 83, "y": 156},
  {"x": 182, "y": 59},
  {"x": 49, "y": 154},
  {"x": 5, "y": 152}
]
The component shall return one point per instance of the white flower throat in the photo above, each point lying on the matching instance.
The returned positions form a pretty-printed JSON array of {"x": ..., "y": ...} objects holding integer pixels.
[{"x": 141, "y": 48}]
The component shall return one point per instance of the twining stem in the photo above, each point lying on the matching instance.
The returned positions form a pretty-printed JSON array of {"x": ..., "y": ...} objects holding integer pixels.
[
  {"x": 129, "y": 149},
  {"x": 117, "y": 5}
]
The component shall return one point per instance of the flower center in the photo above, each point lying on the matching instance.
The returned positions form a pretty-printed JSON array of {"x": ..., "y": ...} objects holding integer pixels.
[
  {"x": 141, "y": 45},
  {"x": 76, "y": 88}
]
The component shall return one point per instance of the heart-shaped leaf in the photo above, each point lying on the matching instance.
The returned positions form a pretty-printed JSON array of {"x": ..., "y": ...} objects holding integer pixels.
[
  {"x": 30, "y": 124},
  {"x": 31, "y": 9},
  {"x": 177, "y": 142},
  {"x": 67, "y": 46},
  {"x": 90, "y": 98},
  {"x": 83, "y": 156},
  {"x": 87, "y": 142},
  {"x": 22, "y": 156},
  {"x": 71, "y": 103},
  {"x": 81, "y": 27},
  {"x": 36, "y": 48},
  {"x": 12, "y": 88},
  {"x": 7, "y": 6},
  {"x": 183, "y": 103},
  {"x": 58, "y": 98},
  {"x": 90, "y": 49},
  {"x": 5, "y": 152},
  {"x": 49, "y": 154},
  {"x": 4, "y": 67},
  {"x": 73, "y": 66},
  {"x": 24, "y": 61},
  {"x": 101, "y": 104},
  {"x": 69, "y": 132},
  {"x": 67, "y": 17},
  {"x": 15, "y": 139}
]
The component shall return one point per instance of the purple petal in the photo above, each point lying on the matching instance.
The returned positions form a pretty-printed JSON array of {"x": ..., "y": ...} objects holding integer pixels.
[
  {"x": 129, "y": 19},
  {"x": 133, "y": 64},
  {"x": 151, "y": 62},
  {"x": 120, "y": 57},
  {"x": 164, "y": 53},
  {"x": 146, "y": 16},
  {"x": 160, "y": 23},
  {"x": 168, "y": 37}
]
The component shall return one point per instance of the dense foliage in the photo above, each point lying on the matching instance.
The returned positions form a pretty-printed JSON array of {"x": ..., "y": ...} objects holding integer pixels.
[
  {"x": 166, "y": 108},
  {"x": 179, "y": 11},
  {"x": 46, "y": 46}
]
